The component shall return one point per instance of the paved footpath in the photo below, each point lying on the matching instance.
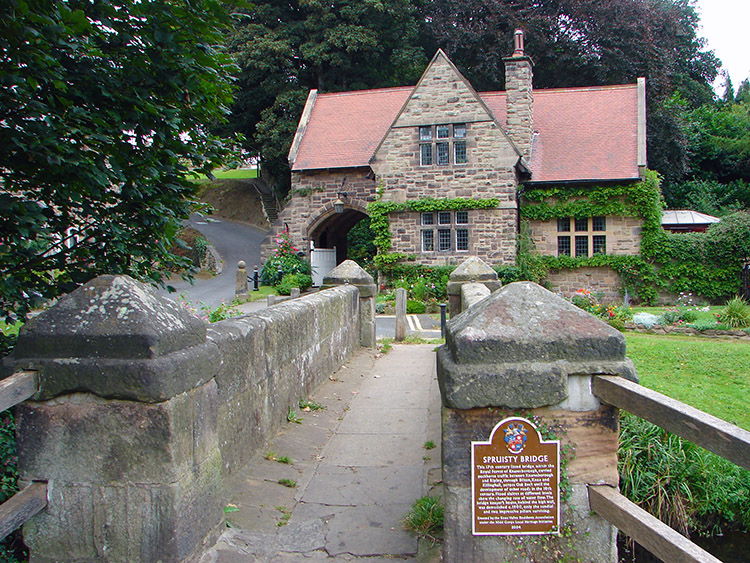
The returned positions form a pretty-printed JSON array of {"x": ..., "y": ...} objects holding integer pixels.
[{"x": 358, "y": 464}]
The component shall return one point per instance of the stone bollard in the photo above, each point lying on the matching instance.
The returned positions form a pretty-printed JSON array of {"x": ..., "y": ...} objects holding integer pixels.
[
  {"x": 123, "y": 428},
  {"x": 472, "y": 293},
  {"x": 524, "y": 352},
  {"x": 270, "y": 300},
  {"x": 294, "y": 293},
  {"x": 400, "y": 314},
  {"x": 240, "y": 287},
  {"x": 349, "y": 272},
  {"x": 471, "y": 270}
]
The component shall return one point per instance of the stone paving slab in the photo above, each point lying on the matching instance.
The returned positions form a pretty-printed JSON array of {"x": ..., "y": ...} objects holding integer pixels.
[{"x": 358, "y": 465}]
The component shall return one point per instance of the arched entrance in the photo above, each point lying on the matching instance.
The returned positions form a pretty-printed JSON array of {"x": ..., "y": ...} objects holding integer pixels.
[{"x": 327, "y": 233}]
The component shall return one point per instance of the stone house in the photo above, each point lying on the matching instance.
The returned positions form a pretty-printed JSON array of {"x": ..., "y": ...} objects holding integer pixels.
[{"x": 451, "y": 163}]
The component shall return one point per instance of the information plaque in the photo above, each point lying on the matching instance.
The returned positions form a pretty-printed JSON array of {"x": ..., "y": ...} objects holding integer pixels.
[{"x": 515, "y": 478}]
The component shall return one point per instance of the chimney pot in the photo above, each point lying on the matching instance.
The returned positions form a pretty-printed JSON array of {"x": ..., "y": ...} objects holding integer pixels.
[{"x": 518, "y": 43}]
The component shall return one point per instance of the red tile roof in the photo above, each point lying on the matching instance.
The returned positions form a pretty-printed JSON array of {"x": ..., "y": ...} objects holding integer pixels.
[{"x": 580, "y": 133}]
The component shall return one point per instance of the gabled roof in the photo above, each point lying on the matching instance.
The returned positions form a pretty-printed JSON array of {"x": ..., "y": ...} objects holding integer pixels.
[{"x": 581, "y": 134}]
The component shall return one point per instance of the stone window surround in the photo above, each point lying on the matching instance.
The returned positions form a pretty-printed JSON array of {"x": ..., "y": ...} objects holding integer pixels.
[
  {"x": 584, "y": 242},
  {"x": 432, "y": 238},
  {"x": 435, "y": 139}
]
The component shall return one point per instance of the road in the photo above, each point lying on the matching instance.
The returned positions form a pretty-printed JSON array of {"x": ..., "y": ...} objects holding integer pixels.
[{"x": 234, "y": 242}]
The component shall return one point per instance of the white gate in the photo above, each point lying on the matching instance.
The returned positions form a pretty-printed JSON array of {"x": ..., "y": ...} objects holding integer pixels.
[{"x": 322, "y": 260}]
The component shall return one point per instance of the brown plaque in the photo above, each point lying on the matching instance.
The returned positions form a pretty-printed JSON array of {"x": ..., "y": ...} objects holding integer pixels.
[{"x": 514, "y": 481}]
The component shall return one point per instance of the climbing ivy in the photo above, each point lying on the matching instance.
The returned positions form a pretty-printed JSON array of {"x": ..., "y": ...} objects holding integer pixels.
[{"x": 707, "y": 264}]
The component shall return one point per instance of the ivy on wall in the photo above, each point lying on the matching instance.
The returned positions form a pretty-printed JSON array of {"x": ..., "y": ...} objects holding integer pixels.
[
  {"x": 706, "y": 264},
  {"x": 380, "y": 224}
]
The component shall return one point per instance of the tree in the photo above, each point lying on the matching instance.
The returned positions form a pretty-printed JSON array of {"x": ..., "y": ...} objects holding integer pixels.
[
  {"x": 589, "y": 42},
  {"x": 286, "y": 48},
  {"x": 104, "y": 111}
]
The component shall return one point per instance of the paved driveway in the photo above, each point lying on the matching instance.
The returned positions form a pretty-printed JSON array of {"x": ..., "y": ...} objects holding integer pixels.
[{"x": 234, "y": 242}]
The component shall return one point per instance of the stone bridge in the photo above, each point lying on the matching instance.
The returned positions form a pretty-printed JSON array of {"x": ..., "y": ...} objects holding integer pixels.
[{"x": 148, "y": 425}]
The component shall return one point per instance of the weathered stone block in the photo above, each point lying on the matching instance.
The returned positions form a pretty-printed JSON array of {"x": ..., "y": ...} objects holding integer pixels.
[{"x": 116, "y": 338}]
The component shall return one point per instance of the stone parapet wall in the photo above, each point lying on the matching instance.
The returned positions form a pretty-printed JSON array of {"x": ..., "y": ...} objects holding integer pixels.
[
  {"x": 600, "y": 280},
  {"x": 269, "y": 364},
  {"x": 142, "y": 410}
]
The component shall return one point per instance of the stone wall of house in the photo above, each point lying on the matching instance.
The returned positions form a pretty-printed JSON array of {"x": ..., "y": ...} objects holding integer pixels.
[
  {"x": 600, "y": 280},
  {"x": 311, "y": 202},
  {"x": 444, "y": 97},
  {"x": 492, "y": 237},
  {"x": 623, "y": 235}
]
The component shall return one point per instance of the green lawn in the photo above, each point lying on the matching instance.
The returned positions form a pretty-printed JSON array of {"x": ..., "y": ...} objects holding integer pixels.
[
  {"x": 708, "y": 374},
  {"x": 234, "y": 174}
]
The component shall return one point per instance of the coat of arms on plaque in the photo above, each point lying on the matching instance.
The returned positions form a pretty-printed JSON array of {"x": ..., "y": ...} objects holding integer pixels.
[{"x": 515, "y": 437}]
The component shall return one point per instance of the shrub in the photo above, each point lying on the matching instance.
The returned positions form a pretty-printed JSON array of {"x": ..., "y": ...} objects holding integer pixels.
[
  {"x": 286, "y": 258},
  {"x": 8, "y": 456},
  {"x": 508, "y": 274},
  {"x": 736, "y": 314},
  {"x": 415, "y": 307},
  {"x": 302, "y": 281}
]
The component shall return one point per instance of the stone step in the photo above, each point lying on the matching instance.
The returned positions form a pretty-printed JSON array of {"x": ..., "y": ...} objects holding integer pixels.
[{"x": 270, "y": 207}]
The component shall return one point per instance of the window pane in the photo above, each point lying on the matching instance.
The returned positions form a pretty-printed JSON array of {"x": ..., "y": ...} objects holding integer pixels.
[
  {"x": 425, "y": 155},
  {"x": 428, "y": 241},
  {"x": 444, "y": 239},
  {"x": 443, "y": 131},
  {"x": 582, "y": 224},
  {"x": 563, "y": 246},
  {"x": 462, "y": 239},
  {"x": 425, "y": 133},
  {"x": 462, "y": 217},
  {"x": 444, "y": 218},
  {"x": 563, "y": 225},
  {"x": 582, "y": 246},
  {"x": 599, "y": 224},
  {"x": 428, "y": 219},
  {"x": 600, "y": 244},
  {"x": 442, "y": 154},
  {"x": 459, "y": 130},
  {"x": 459, "y": 148}
]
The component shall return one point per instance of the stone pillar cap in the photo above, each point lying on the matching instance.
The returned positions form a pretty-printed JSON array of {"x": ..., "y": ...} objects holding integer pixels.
[
  {"x": 349, "y": 272},
  {"x": 473, "y": 269},
  {"x": 517, "y": 347},
  {"x": 117, "y": 338}
]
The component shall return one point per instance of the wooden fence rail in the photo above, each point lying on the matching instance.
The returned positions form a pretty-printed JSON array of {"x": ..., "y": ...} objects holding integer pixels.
[
  {"x": 720, "y": 437},
  {"x": 15, "y": 511},
  {"x": 17, "y": 388},
  {"x": 647, "y": 530},
  {"x": 23, "y": 505}
]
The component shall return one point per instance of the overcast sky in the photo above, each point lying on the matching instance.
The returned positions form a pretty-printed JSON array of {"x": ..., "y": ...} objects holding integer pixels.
[{"x": 726, "y": 26}]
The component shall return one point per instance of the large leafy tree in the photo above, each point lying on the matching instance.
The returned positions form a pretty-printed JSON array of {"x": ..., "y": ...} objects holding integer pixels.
[
  {"x": 590, "y": 42},
  {"x": 105, "y": 107},
  {"x": 285, "y": 48}
]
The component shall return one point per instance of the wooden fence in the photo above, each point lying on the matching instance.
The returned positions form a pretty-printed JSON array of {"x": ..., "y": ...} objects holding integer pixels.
[
  {"x": 23, "y": 505},
  {"x": 709, "y": 432}
]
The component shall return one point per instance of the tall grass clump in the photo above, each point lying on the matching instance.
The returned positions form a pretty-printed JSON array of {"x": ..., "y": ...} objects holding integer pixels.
[
  {"x": 425, "y": 517},
  {"x": 685, "y": 486},
  {"x": 736, "y": 314}
]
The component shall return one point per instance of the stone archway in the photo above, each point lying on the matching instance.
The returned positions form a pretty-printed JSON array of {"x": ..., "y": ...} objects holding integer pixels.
[{"x": 329, "y": 228}]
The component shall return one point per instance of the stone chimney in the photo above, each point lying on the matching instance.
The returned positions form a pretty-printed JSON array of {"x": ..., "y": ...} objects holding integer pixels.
[{"x": 519, "y": 96}]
